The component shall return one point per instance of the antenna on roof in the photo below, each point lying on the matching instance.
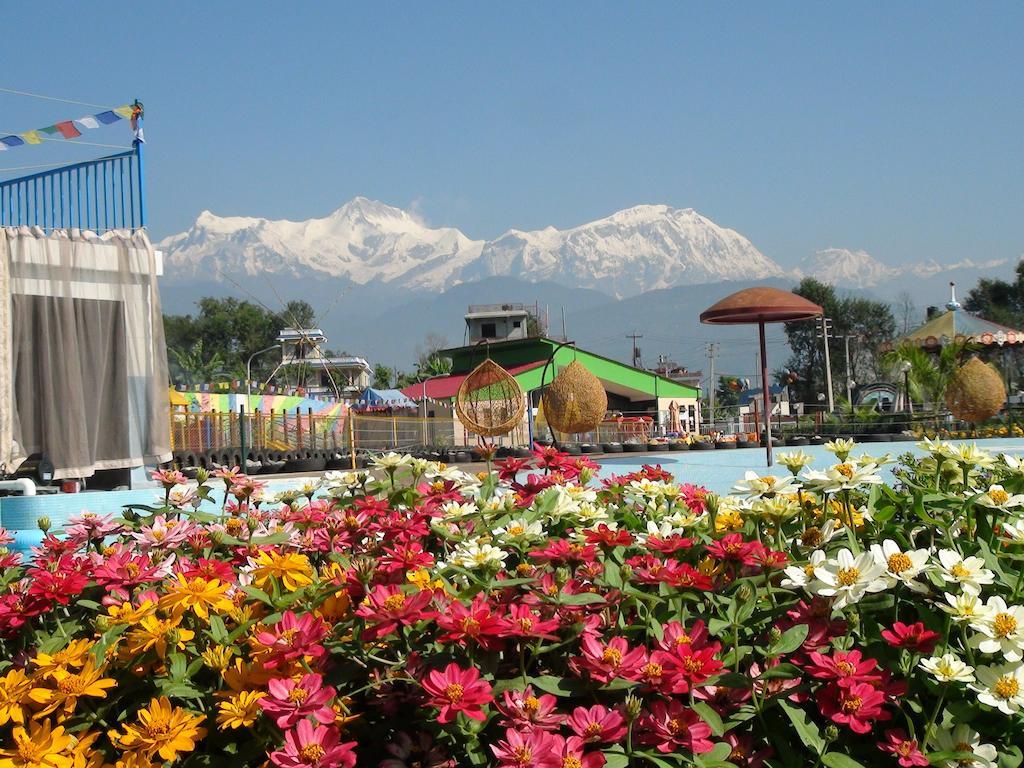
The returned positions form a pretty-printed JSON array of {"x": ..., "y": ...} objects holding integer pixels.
[{"x": 953, "y": 304}]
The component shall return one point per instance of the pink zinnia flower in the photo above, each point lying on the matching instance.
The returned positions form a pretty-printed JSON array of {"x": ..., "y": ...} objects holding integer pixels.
[
  {"x": 309, "y": 746},
  {"x": 570, "y": 753},
  {"x": 733, "y": 547},
  {"x": 163, "y": 533},
  {"x": 457, "y": 690},
  {"x": 292, "y": 638},
  {"x": 89, "y": 526},
  {"x": 530, "y": 749},
  {"x": 475, "y": 623},
  {"x": 906, "y": 750},
  {"x": 604, "y": 662},
  {"x": 912, "y": 636},
  {"x": 292, "y": 700},
  {"x": 520, "y": 621},
  {"x": 855, "y": 705},
  {"x": 597, "y": 724},
  {"x": 168, "y": 478},
  {"x": 685, "y": 668},
  {"x": 843, "y": 665},
  {"x": 669, "y": 726},
  {"x": 386, "y": 608},
  {"x": 525, "y": 710}
]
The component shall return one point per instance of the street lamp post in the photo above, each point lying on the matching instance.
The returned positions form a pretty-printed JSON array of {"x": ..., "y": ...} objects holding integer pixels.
[
  {"x": 909, "y": 405},
  {"x": 248, "y": 370},
  {"x": 423, "y": 398}
]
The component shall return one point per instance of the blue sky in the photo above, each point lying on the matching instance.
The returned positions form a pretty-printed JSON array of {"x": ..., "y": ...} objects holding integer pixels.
[{"x": 896, "y": 128}]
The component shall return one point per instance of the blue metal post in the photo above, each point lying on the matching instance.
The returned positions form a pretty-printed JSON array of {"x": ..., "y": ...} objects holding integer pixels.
[{"x": 142, "y": 184}]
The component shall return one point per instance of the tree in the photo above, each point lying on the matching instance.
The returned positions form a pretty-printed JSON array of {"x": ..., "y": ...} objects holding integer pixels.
[
  {"x": 231, "y": 330},
  {"x": 998, "y": 300},
  {"x": 905, "y": 311},
  {"x": 869, "y": 323},
  {"x": 382, "y": 376},
  {"x": 196, "y": 365}
]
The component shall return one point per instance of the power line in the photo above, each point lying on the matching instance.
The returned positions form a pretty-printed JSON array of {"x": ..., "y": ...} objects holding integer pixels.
[
  {"x": 52, "y": 98},
  {"x": 636, "y": 350}
]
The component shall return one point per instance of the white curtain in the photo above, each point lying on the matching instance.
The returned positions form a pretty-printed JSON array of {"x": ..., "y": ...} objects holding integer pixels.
[{"x": 83, "y": 366}]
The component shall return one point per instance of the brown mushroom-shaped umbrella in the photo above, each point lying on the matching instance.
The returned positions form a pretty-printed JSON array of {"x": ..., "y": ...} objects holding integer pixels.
[{"x": 761, "y": 305}]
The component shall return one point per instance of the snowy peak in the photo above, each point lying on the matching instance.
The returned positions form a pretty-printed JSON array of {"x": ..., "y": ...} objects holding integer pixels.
[
  {"x": 638, "y": 249},
  {"x": 859, "y": 269},
  {"x": 364, "y": 240}
]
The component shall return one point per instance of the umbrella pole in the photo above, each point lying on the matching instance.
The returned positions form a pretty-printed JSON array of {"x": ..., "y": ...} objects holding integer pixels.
[{"x": 766, "y": 397}]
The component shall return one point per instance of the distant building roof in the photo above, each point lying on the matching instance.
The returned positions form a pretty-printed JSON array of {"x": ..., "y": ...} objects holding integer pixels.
[
  {"x": 750, "y": 394},
  {"x": 384, "y": 398}
]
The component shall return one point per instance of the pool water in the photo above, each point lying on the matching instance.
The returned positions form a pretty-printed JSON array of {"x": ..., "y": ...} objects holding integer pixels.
[{"x": 716, "y": 470}]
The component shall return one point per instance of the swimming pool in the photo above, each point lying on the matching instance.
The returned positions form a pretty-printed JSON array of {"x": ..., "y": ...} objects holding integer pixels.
[{"x": 716, "y": 470}]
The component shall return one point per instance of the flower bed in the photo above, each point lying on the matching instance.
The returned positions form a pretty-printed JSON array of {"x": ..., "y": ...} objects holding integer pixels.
[{"x": 427, "y": 617}]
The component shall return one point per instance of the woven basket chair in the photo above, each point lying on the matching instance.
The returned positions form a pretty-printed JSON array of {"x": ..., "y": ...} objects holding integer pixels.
[
  {"x": 490, "y": 401},
  {"x": 576, "y": 401},
  {"x": 976, "y": 392}
]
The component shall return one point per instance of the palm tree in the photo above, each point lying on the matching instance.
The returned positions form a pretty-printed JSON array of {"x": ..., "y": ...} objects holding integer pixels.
[
  {"x": 929, "y": 373},
  {"x": 192, "y": 366}
]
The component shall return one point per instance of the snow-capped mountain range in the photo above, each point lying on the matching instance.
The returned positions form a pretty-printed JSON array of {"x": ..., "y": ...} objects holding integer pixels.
[{"x": 639, "y": 249}]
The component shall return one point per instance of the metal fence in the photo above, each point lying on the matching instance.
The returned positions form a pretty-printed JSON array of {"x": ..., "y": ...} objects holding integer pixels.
[
  {"x": 276, "y": 431},
  {"x": 98, "y": 195}
]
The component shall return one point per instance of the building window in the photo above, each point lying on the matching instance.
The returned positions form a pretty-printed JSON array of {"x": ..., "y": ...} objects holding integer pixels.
[
  {"x": 488, "y": 330},
  {"x": 517, "y": 323}
]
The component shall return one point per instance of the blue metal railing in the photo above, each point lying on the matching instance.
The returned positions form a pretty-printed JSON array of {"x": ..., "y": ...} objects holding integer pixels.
[{"x": 102, "y": 194}]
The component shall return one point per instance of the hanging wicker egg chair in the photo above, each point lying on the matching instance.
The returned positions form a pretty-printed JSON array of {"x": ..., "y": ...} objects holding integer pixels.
[
  {"x": 575, "y": 402},
  {"x": 976, "y": 392},
  {"x": 490, "y": 401}
]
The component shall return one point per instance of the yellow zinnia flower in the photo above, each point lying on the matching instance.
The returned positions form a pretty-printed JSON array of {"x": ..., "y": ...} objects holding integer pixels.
[
  {"x": 198, "y": 594},
  {"x": 157, "y": 634},
  {"x": 241, "y": 710},
  {"x": 292, "y": 570},
  {"x": 73, "y": 655},
  {"x": 217, "y": 657},
  {"x": 160, "y": 730},
  {"x": 69, "y": 687},
  {"x": 126, "y": 613},
  {"x": 728, "y": 519},
  {"x": 14, "y": 690},
  {"x": 39, "y": 747}
]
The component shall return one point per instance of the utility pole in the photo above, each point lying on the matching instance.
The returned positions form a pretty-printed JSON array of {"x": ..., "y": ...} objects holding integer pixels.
[
  {"x": 636, "y": 350},
  {"x": 712, "y": 384},
  {"x": 826, "y": 334},
  {"x": 849, "y": 371}
]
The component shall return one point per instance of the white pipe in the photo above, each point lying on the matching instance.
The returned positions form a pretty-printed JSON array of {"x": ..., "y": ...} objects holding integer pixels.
[{"x": 24, "y": 484}]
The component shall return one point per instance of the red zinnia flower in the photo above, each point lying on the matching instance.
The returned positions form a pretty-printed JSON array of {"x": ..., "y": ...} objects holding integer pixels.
[
  {"x": 668, "y": 726},
  {"x": 912, "y": 636},
  {"x": 293, "y": 700},
  {"x": 733, "y": 547},
  {"x": 675, "y": 634},
  {"x": 906, "y": 750},
  {"x": 686, "y": 668},
  {"x": 597, "y": 724},
  {"x": 510, "y": 467},
  {"x": 522, "y": 622},
  {"x": 524, "y": 710},
  {"x": 560, "y": 551},
  {"x": 387, "y": 608},
  {"x": 476, "y": 623},
  {"x": 843, "y": 665},
  {"x": 457, "y": 690},
  {"x": 856, "y": 705},
  {"x": 292, "y": 638},
  {"x": 604, "y": 662},
  {"x": 570, "y": 754},
  {"x": 529, "y": 749},
  {"x": 608, "y": 537},
  {"x": 314, "y": 746}
]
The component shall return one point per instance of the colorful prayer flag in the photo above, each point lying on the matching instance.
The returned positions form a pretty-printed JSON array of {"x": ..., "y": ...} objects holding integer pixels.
[
  {"x": 108, "y": 117},
  {"x": 31, "y": 137},
  {"x": 68, "y": 130},
  {"x": 88, "y": 121}
]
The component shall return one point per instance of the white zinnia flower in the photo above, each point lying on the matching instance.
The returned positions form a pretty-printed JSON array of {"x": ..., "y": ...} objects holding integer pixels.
[
  {"x": 968, "y": 572},
  {"x": 843, "y": 477},
  {"x": 768, "y": 486},
  {"x": 966, "y": 606},
  {"x": 473, "y": 554},
  {"x": 1014, "y": 529},
  {"x": 519, "y": 528},
  {"x": 849, "y": 578},
  {"x": 391, "y": 461},
  {"x": 1002, "y": 629},
  {"x": 1001, "y": 687},
  {"x": 453, "y": 510},
  {"x": 841, "y": 447},
  {"x": 970, "y": 455},
  {"x": 802, "y": 576},
  {"x": 996, "y": 497},
  {"x": 948, "y": 668},
  {"x": 902, "y": 566},
  {"x": 794, "y": 461},
  {"x": 965, "y": 739}
]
